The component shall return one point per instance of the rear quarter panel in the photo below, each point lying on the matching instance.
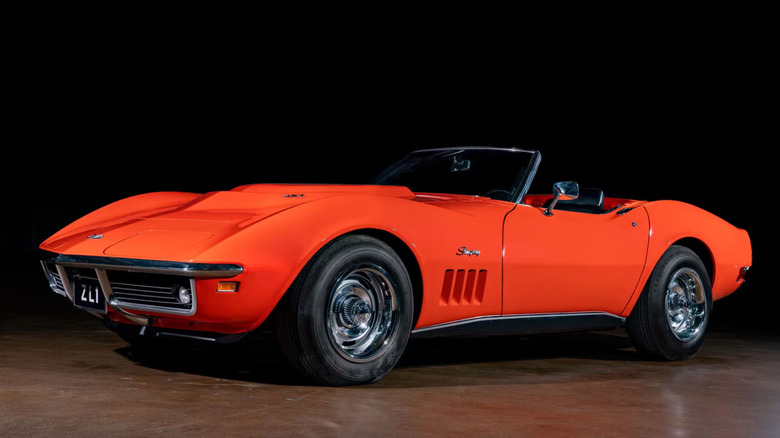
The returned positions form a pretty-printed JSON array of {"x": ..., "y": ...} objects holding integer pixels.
[{"x": 672, "y": 221}]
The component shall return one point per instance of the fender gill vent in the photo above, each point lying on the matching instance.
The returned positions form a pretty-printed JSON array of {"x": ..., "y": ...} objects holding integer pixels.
[{"x": 463, "y": 287}]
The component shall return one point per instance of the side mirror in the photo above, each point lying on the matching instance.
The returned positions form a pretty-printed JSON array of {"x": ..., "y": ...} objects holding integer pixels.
[{"x": 563, "y": 191}]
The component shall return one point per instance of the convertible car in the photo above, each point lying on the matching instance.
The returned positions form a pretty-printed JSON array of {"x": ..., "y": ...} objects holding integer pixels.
[{"x": 446, "y": 242}]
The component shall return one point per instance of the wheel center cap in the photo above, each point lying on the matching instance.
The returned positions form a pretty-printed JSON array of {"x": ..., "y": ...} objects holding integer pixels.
[
  {"x": 355, "y": 312},
  {"x": 364, "y": 314}
]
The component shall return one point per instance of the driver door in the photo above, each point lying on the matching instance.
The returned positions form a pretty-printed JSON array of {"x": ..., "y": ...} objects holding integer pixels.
[{"x": 572, "y": 261}]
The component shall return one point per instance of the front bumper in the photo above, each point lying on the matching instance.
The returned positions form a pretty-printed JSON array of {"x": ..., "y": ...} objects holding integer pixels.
[{"x": 139, "y": 290}]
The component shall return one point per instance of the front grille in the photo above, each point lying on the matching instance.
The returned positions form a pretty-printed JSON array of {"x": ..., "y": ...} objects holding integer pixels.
[
  {"x": 146, "y": 291},
  {"x": 134, "y": 287}
]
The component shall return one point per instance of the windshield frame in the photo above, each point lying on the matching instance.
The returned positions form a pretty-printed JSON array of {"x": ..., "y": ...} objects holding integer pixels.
[{"x": 523, "y": 179}]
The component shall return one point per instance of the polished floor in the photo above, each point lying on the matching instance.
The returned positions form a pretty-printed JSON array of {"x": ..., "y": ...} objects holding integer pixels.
[{"x": 63, "y": 375}]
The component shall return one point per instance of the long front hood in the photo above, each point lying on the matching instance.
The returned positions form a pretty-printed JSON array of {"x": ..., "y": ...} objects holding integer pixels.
[{"x": 145, "y": 227}]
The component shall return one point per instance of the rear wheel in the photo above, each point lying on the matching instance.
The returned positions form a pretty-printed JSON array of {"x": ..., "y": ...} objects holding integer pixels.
[
  {"x": 347, "y": 317},
  {"x": 670, "y": 318}
]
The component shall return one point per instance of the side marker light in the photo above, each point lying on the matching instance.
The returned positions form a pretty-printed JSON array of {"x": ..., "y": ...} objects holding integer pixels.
[{"x": 227, "y": 286}]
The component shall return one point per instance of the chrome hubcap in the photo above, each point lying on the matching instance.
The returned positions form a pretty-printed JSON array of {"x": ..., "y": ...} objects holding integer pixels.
[
  {"x": 686, "y": 304},
  {"x": 363, "y": 312}
]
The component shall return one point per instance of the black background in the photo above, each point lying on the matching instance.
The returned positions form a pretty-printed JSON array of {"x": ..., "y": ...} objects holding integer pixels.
[{"x": 82, "y": 138}]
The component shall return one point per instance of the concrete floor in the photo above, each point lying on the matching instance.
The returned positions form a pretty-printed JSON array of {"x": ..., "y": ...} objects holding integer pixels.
[{"x": 62, "y": 374}]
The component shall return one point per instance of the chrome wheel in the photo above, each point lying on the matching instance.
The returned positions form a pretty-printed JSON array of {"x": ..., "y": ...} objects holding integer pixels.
[
  {"x": 686, "y": 304},
  {"x": 363, "y": 312}
]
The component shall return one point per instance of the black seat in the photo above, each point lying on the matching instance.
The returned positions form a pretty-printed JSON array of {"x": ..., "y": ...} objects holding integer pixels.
[{"x": 589, "y": 201}]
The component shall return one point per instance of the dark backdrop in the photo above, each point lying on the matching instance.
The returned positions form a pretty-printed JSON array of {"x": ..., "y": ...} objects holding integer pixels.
[{"x": 76, "y": 152}]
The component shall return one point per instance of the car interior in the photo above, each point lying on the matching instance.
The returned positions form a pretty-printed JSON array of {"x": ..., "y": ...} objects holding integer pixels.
[{"x": 589, "y": 201}]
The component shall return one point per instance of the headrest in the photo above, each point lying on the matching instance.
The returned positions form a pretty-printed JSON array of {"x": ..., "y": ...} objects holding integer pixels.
[{"x": 593, "y": 197}]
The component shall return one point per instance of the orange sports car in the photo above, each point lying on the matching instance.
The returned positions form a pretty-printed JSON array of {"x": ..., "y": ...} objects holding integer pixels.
[{"x": 446, "y": 242}]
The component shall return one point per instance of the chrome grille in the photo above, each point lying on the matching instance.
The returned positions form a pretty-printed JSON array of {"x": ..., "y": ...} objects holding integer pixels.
[
  {"x": 145, "y": 291},
  {"x": 149, "y": 286}
]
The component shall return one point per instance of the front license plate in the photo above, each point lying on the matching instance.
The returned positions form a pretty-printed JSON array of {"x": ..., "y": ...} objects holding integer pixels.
[{"x": 87, "y": 293}]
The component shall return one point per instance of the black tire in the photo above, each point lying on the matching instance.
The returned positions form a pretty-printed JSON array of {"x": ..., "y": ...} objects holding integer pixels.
[
  {"x": 670, "y": 318},
  {"x": 328, "y": 324}
]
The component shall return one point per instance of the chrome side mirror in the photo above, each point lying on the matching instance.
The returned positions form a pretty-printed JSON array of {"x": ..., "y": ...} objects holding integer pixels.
[{"x": 563, "y": 191}]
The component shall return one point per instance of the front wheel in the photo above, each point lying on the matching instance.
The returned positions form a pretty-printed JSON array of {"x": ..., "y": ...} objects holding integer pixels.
[
  {"x": 670, "y": 318},
  {"x": 347, "y": 317}
]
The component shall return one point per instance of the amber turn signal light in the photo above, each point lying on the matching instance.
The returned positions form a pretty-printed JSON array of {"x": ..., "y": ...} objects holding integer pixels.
[{"x": 227, "y": 286}]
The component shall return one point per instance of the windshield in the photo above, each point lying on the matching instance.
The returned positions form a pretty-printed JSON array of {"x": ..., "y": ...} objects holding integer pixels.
[{"x": 501, "y": 174}]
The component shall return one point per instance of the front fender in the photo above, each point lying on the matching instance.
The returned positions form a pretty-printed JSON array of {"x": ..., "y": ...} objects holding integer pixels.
[{"x": 275, "y": 250}]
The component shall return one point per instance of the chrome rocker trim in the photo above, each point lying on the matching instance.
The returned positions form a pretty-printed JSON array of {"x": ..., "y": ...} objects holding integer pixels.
[{"x": 537, "y": 323}]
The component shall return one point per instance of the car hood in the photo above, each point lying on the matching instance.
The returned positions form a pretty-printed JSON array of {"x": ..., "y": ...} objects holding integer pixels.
[{"x": 181, "y": 232}]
